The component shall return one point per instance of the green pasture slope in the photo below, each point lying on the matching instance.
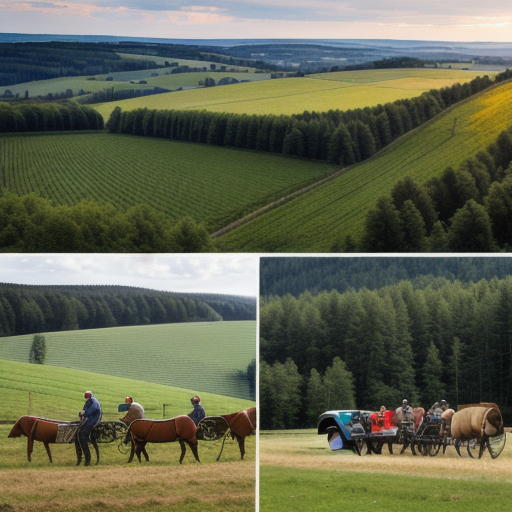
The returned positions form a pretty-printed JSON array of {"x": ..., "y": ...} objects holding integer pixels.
[
  {"x": 54, "y": 392},
  {"x": 203, "y": 357},
  {"x": 330, "y": 91},
  {"x": 324, "y": 216},
  {"x": 211, "y": 184}
]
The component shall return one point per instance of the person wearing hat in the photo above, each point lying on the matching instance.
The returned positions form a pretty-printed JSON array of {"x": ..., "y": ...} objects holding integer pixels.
[
  {"x": 198, "y": 413},
  {"x": 90, "y": 416},
  {"x": 438, "y": 408},
  {"x": 135, "y": 411}
]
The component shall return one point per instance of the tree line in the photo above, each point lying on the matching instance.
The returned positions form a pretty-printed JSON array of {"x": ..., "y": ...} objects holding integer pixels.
[
  {"x": 424, "y": 341},
  {"x": 292, "y": 275},
  {"x": 468, "y": 209},
  {"x": 340, "y": 137},
  {"x": 30, "y": 223},
  {"x": 26, "y": 62},
  {"x": 26, "y": 309},
  {"x": 45, "y": 117}
]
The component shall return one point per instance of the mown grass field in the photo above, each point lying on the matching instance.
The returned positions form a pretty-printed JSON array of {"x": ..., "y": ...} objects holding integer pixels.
[
  {"x": 298, "y": 472},
  {"x": 211, "y": 184},
  {"x": 197, "y": 356},
  {"x": 344, "y": 90},
  {"x": 161, "y": 484},
  {"x": 317, "y": 220}
]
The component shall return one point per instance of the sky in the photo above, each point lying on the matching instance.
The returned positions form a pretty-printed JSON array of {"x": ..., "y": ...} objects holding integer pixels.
[
  {"x": 229, "y": 274},
  {"x": 456, "y": 20}
]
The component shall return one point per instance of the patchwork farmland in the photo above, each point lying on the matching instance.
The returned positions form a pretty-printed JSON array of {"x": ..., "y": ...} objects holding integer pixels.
[
  {"x": 321, "y": 93},
  {"x": 209, "y": 357},
  {"x": 317, "y": 220}
]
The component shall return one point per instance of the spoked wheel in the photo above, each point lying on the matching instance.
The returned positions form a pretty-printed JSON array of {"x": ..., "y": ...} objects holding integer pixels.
[
  {"x": 433, "y": 446},
  {"x": 476, "y": 448},
  {"x": 361, "y": 447},
  {"x": 496, "y": 445}
]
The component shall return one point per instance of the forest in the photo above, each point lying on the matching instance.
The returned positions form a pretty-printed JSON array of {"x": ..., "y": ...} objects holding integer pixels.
[
  {"x": 26, "y": 309},
  {"x": 31, "y": 223},
  {"x": 423, "y": 338},
  {"x": 468, "y": 209}
]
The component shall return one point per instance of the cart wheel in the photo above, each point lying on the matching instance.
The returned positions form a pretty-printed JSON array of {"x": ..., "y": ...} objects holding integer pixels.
[
  {"x": 361, "y": 447},
  {"x": 434, "y": 446},
  {"x": 475, "y": 448},
  {"x": 496, "y": 445}
]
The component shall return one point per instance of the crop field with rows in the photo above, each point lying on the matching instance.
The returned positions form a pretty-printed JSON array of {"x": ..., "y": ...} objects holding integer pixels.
[
  {"x": 316, "y": 221},
  {"x": 211, "y": 184},
  {"x": 330, "y": 91},
  {"x": 198, "y": 356}
]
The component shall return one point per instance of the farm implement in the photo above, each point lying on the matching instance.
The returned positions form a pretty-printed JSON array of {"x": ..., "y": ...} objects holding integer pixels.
[{"x": 476, "y": 428}]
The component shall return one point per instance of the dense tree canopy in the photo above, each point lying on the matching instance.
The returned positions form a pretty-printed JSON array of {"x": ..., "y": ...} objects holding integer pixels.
[
  {"x": 423, "y": 340},
  {"x": 34, "y": 309}
]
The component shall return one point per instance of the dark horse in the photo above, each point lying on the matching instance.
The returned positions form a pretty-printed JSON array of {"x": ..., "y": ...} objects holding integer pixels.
[
  {"x": 48, "y": 431},
  {"x": 180, "y": 428},
  {"x": 241, "y": 424}
]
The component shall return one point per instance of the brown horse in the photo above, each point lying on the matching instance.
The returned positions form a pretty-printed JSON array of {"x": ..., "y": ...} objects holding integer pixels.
[
  {"x": 47, "y": 432},
  {"x": 241, "y": 425},
  {"x": 180, "y": 428}
]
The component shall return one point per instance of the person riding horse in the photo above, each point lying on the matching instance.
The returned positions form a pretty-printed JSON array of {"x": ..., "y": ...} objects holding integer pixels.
[
  {"x": 90, "y": 415},
  {"x": 198, "y": 413}
]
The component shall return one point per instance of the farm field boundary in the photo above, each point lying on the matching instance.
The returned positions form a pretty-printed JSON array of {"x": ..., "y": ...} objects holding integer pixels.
[
  {"x": 202, "y": 356},
  {"x": 316, "y": 221}
]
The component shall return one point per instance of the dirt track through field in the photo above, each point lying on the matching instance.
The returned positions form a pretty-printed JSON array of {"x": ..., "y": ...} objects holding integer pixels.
[{"x": 310, "y": 451}]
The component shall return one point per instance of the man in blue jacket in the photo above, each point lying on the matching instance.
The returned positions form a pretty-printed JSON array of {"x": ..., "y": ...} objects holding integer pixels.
[
  {"x": 198, "y": 413},
  {"x": 90, "y": 416}
]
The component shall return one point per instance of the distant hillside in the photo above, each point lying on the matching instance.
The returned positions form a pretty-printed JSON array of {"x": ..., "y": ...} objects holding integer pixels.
[
  {"x": 26, "y": 309},
  {"x": 280, "y": 276},
  {"x": 53, "y": 392},
  {"x": 204, "y": 357}
]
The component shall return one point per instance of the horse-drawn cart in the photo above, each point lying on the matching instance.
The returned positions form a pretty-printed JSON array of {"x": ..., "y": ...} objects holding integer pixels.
[{"x": 477, "y": 427}]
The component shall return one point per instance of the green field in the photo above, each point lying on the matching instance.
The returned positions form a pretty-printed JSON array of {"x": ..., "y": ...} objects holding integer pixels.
[
  {"x": 161, "y": 484},
  {"x": 211, "y": 184},
  {"x": 298, "y": 472},
  {"x": 203, "y": 357},
  {"x": 324, "y": 216},
  {"x": 331, "y": 91},
  {"x": 56, "y": 392}
]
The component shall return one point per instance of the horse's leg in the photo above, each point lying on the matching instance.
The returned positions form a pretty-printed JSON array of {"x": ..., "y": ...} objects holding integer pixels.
[
  {"x": 30, "y": 441},
  {"x": 132, "y": 452},
  {"x": 183, "y": 450},
  {"x": 241, "y": 445},
  {"x": 47, "y": 446},
  {"x": 78, "y": 449},
  {"x": 143, "y": 449},
  {"x": 95, "y": 446},
  {"x": 193, "y": 447}
]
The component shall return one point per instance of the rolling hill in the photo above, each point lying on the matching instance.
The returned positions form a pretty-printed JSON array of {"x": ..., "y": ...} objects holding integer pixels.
[
  {"x": 204, "y": 357},
  {"x": 315, "y": 221},
  {"x": 52, "y": 392}
]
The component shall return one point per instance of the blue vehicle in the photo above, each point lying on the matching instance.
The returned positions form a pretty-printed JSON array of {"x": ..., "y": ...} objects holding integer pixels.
[{"x": 356, "y": 430}]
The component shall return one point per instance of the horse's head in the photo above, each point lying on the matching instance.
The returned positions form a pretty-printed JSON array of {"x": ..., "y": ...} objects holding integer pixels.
[{"x": 22, "y": 427}]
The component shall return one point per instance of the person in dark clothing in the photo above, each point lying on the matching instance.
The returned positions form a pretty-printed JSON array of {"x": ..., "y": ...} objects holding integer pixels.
[
  {"x": 90, "y": 416},
  {"x": 198, "y": 413}
]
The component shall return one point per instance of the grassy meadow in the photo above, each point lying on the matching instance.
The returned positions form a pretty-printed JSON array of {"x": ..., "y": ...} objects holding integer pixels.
[
  {"x": 315, "y": 221},
  {"x": 298, "y": 472},
  {"x": 197, "y": 356},
  {"x": 211, "y": 184},
  {"x": 330, "y": 91},
  {"x": 161, "y": 484}
]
